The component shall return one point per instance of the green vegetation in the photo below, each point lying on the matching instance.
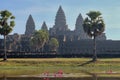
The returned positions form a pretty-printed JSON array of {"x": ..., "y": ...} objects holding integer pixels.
[
  {"x": 6, "y": 26},
  {"x": 52, "y": 65},
  {"x": 53, "y": 44},
  {"x": 94, "y": 25},
  {"x": 39, "y": 39}
]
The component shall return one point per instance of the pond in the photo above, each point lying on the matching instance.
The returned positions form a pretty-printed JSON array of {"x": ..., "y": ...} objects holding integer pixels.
[
  {"x": 63, "y": 78},
  {"x": 35, "y": 74},
  {"x": 58, "y": 76}
]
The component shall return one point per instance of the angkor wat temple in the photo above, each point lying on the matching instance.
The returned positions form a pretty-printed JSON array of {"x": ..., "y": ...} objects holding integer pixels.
[{"x": 70, "y": 41}]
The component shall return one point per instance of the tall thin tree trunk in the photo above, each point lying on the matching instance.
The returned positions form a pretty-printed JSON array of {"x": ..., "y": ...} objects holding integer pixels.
[
  {"x": 5, "y": 54},
  {"x": 94, "y": 76},
  {"x": 4, "y": 77},
  {"x": 94, "y": 50},
  {"x": 42, "y": 49}
]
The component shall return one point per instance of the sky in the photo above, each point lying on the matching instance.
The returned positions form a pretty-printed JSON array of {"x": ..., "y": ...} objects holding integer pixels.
[{"x": 45, "y": 10}]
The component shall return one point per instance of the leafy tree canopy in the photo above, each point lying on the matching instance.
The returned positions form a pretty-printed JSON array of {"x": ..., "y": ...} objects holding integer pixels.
[
  {"x": 39, "y": 38},
  {"x": 94, "y": 24},
  {"x": 53, "y": 44},
  {"x": 6, "y": 22}
]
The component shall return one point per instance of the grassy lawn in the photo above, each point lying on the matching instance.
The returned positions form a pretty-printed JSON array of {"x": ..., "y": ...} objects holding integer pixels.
[{"x": 79, "y": 66}]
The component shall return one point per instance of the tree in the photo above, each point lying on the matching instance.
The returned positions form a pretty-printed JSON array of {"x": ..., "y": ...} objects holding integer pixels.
[
  {"x": 39, "y": 38},
  {"x": 6, "y": 26},
  {"x": 94, "y": 25},
  {"x": 53, "y": 44}
]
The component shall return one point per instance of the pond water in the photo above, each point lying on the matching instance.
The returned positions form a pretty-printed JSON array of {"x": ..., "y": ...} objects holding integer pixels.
[
  {"x": 64, "y": 78},
  {"x": 84, "y": 75}
]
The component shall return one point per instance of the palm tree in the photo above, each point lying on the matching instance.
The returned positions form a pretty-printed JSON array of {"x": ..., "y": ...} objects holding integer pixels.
[
  {"x": 94, "y": 25},
  {"x": 6, "y": 26},
  {"x": 39, "y": 39}
]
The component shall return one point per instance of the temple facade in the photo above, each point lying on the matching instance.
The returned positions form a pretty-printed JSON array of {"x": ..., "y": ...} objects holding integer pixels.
[
  {"x": 70, "y": 41},
  {"x": 61, "y": 28}
]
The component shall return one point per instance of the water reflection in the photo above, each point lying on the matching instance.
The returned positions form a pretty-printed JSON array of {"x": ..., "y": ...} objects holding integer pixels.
[
  {"x": 61, "y": 78},
  {"x": 58, "y": 76}
]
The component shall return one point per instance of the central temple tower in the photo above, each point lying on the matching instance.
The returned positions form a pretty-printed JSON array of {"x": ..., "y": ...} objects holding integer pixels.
[
  {"x": 60, "y": 20},
  {"x": 60, "y": 23}
]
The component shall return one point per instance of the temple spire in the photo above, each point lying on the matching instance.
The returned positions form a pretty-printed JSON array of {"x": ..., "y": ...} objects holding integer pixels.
[
  {"x": 44, "y": 26},
  {"x": 30, "y": 26},
  {"x": 79, "y": 28},
  {"x": 60, "y": 10},
  {"x": 60, "y": 20},
  {"x": 79, "y": 22}
]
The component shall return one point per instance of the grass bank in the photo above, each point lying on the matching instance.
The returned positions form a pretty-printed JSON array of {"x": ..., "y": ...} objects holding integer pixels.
[{"x": 32, "y": 66}]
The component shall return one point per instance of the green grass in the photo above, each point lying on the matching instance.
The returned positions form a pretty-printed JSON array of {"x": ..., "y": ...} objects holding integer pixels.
[{"x": 31, "y": 66}]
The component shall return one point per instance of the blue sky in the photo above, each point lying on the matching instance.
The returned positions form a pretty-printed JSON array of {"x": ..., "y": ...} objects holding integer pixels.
[{"x": 45, "y": 10}]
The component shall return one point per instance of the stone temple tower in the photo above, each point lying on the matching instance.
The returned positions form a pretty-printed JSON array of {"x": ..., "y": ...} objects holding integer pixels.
[
  {"x": 79, "y": 28},
  {"x": 44, "y": 26},
  {"x": 30, "y": 26},
  {"x": 60, "y": 21}
]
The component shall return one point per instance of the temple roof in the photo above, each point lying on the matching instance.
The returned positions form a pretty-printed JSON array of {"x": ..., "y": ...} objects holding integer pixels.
[{"x": 44, "y": 26}]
